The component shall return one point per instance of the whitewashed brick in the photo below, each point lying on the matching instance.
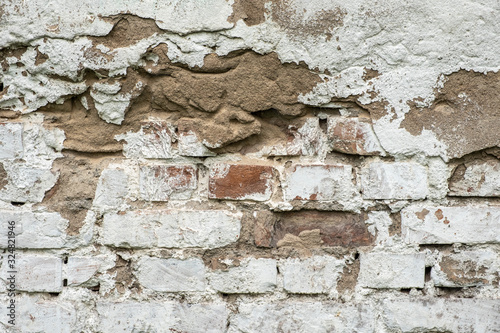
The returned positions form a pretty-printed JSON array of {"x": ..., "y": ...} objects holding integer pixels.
[
  {"x": 161, "y": 317},
  {"x": 81, "y": 269},
  {"x": 387, "y": 270},
  {"x": 172, "y": 275},
  {"x": 34, "y": 230},
  {"x": 478, "y": 180},
  {"x": 442, "y": 315},
  {"x": 306, "y": 317},
  {"x": 11, "y": 140},
  {"x": 171, "y": 229},
  {"x": 252, "y": 276},
  {"x": 37, "y": 315},
  {"x": 394, "y": 181},
  {"x": 112, "y": 189},
  {"x": 189, "y": 145},
  {"x": 353, "y": 135},
  {"x": 164, "y": 182},
  {"x": 26, "y": 184},
  {"x": 35, "y": 273},
  {"x": 154, "y": 140},
  {"x": 448, "y": 225},
  {"x": 315, "y": 275},
  {"x": 320, "y": 182}
]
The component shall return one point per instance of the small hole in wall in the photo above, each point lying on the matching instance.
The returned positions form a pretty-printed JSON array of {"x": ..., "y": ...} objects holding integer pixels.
[
  {"x": 225, "y": 295},
  {"x": 65, "y": 260},
  {"x": 406, "y": 290},
  {"x": 1, "y": 86},
  {"x": 15, "y": 203},
  {"x": 95, "y": 288},
  {"x": 356, "y": 256},
  {"x": 65, "y": 282},
  {"x": 54, "y": 294},
  {"x": 427, "y": 274}
]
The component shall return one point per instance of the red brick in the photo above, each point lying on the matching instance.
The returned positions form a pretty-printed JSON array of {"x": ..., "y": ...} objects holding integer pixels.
[
  {"x": 353, "y": 136},
  {"x": 240, "y": 182}
]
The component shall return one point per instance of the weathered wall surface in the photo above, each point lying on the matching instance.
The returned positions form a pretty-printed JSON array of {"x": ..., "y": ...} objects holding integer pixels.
[{"x": 250, "y": 166}]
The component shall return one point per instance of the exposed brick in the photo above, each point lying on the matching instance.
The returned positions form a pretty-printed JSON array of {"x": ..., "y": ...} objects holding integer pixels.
[
  {"x": 448, "y": 225},
  {"x": 171, "y": 229},
  {"x": 480, "y": 179},
  {"x": 336, "y": 228},
  {"x": 466, "y": 269},
  {"x": 307, "y": 317},
  {"x": 81, "y": 269},
  {"x": 442, "y": 315},
  {"x": 353, "y": 136},
  {"x": 263, "y": 228},
  {"x": 164, "y": 182},
  {"x": 315, "y": 275},
  {"x": 189, "y": 144},
  {"x": 11, "y": 140},
  {"x": 172, "y": 275},
  {"x": 240, "y": 182},
  {"x": 34, "y": 230},
  {"x": 320, "y": 182},
  {"x": 36, "y": 273},
  {"x": 252, "y": 276},
  {"x": 387, "y": 270},
  {"x": 394, "y": 181}
]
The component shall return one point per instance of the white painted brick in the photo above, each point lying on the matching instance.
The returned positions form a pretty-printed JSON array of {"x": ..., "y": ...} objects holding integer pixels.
[
  {"x": 252, "y": 276},
  {"x": 172, "y": 275},
  {"x": 315, "y": 275},
  {"x": 37, "y": 315},
  {"x": 320, "y": 182},
  {"x": 448, "y": 225},
  {"x": 479, "y": 180},
  {"x": 353, "y": 135},
  {"x": 11, "y": 140},
  {"x": 112, "y": 189},
  {"x": 26, "y": 184},
  {"x": 154, "y": 140},
  {"x": 387, "y": 270},
  {"x": 206, "y": 229},
  {"x": 34, "y": 230},
  {"x": 189, "y": 145},
  {"x": 161, "y": 317},
  {"x": 306, "y": 317},
  {"x": 394, "y": 181},
  {"x": 81, "y": 269},
  {"x": 164, "y": 182},
  {"x": 35, "y": 273},
  {"x": 442, "y": 315}
]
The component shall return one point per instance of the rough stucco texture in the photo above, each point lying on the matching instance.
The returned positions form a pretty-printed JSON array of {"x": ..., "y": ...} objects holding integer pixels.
[{"x": 250, "y": 166}]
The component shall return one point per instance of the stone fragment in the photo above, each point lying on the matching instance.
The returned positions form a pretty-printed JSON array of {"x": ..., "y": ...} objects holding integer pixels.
[
  {"x": 320, "y": 182},
  {"x": 448, "y": 225},
  {"x": 394, "y": 181},
  {"x": 253, "y": 276},
  {"x": 396, "y": 271},
  {"x": 171, "y": 229},
  {"x": 164, "y": 182},
  {"x": 241, "y": 182},
  {"x": 353, "y": 135},
  {"x": 480, "y": 179},
  {"x": 315, "y": 275},
  {"x": 171, "y": 275}
]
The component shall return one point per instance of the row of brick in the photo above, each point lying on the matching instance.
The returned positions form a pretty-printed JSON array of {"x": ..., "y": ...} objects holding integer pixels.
[
  {"x": 313, "y": 275},
  {"x": 218, "y": 228},
  {"x": 403, "y": 315}
]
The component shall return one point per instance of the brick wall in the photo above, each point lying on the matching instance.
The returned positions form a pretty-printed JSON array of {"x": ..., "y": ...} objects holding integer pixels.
[{"x": 249, "y": 167}]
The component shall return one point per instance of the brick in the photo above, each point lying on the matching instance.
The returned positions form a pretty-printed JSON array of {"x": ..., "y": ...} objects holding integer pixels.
[
  {"x": 164, "y": 182},
  {"x": 171, "y": 229},
  {"x": 479, "y": 179},
  {"x": 154, "y": 140},
  {"x": 171, "y": 275},
  {"x": 37, "y": 315},
  {"x": 466, "y": 269},
  {"x": 36, "y": 273},
  {"x": 263, "y": 228},
  {"x": 336, "y": 228},
  {"x": 26, "y": 184},
  {"x": 448, "y": 225},
  {"x": 353, "y": 135},
  {"x": 112, "y": 189},
  {"x": 394, "y": 181},
  {"x": 11, "y": 140},
  {"x": 81, "y": 269},
  {"x": 161, "y": 317},
  {"x": 240, "y": 182},
  {"x": 387, "y": 270},
  {"x": 253, "y": 276},
  {"x": 306, "y": 317},
  {"x": 190, "y": 145},
  {"x": 315, "y": 275},
  {"x": 34, "y": 230},
  {"x": 442, "y": 315},
  {"x": 320, "y": 182}
]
